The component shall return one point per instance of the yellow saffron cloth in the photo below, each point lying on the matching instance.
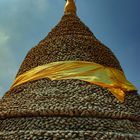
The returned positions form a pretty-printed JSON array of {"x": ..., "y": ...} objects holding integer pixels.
[{"x": 112, "y": 79}]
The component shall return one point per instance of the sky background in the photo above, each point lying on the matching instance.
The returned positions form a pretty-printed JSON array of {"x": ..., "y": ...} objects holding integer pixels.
[{"x": 23, "y": 23}]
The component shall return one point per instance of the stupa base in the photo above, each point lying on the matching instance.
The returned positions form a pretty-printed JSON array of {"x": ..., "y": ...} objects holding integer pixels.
[
  {"x": 68, "y": 128},
  {"x": 65, "y": 135}
]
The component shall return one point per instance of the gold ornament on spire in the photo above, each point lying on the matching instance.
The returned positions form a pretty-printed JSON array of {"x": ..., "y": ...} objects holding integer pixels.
[{"x": 70, "y": 7}]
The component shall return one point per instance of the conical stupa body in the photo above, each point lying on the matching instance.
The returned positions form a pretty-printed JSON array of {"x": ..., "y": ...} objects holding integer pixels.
[{"x": 68, "y": 109}]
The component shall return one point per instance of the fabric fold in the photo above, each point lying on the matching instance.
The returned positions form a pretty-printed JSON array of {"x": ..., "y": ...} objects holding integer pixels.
[{"x": 112, "y": 79}]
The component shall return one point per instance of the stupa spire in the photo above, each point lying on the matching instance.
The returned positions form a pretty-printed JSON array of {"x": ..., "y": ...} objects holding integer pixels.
[{"x": 70, "y": 7}]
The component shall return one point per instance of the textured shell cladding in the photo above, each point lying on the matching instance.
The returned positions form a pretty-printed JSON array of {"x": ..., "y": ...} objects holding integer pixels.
[
  {"x": 69, "y": 40},
  {"x": 68, "y": 109}
]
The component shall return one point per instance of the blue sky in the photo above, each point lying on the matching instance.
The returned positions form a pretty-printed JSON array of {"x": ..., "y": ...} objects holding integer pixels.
[{"x": 23, "y": 23}]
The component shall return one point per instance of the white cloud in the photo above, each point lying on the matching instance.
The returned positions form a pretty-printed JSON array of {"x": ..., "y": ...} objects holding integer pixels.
[
  {"x": 3, "y": 38},
  {"x": 6, "y": 54},
  {"x": 41, "y": 5},
  {"x": 7, "y": 62},
  {"x": 1, "y": 89}
]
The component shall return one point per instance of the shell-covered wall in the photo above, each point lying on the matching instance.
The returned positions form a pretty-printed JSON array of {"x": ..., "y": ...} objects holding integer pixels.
[
  {"x": 69, "y": 40},
  {"x": 68, "y": 109}
]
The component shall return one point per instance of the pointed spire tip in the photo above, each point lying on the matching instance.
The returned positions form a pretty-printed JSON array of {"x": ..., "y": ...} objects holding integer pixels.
[{"x": 70, "y": 7}]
